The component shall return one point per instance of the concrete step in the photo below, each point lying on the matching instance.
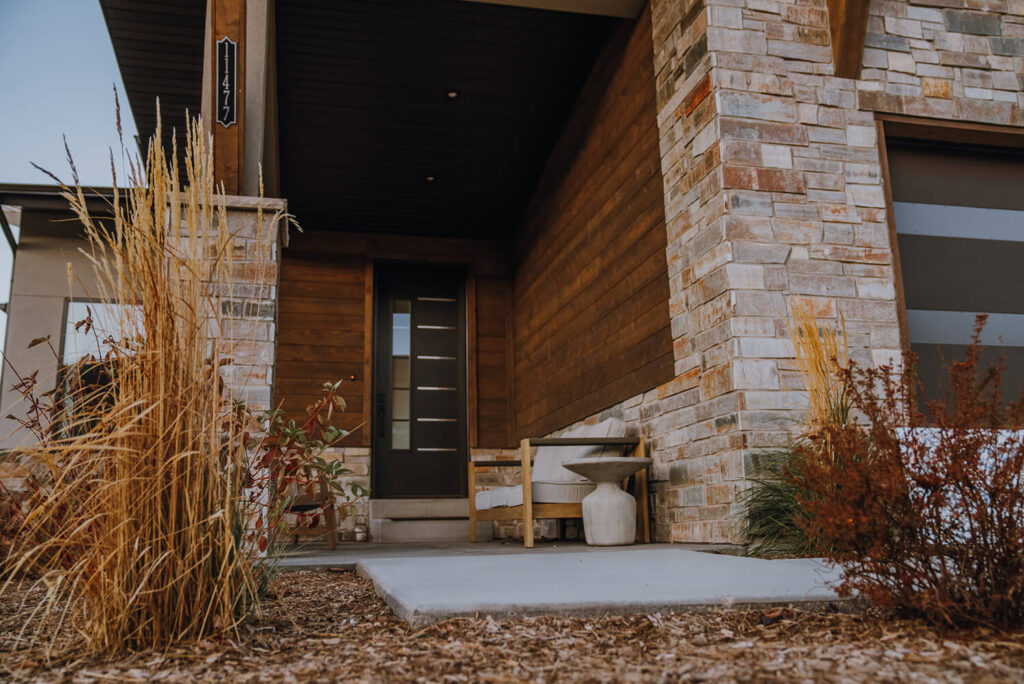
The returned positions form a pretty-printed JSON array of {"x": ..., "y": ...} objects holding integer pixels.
[
  {"x": 452, "y": 530},
  {"x": 419, "y": 509}
]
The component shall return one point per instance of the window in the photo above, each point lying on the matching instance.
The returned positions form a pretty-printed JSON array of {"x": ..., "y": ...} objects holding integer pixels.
[
  {"x": 401, "y": 344},
  {"x": 78, "y": 344},
  {"x": 959, "y": 217}
]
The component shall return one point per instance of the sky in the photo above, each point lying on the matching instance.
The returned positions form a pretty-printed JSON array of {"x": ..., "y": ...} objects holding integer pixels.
[{"x": 57, "y": 77}]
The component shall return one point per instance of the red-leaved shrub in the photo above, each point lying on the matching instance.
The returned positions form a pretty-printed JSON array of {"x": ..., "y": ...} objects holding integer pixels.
[{"x": 922, "y": 502}]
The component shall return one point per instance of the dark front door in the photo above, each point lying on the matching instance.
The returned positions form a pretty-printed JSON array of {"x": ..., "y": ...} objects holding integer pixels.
[{"x": 419, "y": 443}]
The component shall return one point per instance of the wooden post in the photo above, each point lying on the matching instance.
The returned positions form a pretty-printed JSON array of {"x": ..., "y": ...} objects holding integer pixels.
[
  {"x": 524, "y": 454},
  {"x": 641, "y": 494},
  {"x": 472, "y": 501},
  {"x": 227, "y": 55},
  {"x": 368, "y": 425}
]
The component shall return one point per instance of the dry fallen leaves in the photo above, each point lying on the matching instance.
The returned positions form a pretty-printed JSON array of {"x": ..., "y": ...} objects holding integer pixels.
[{"x": 330, "y": 626}]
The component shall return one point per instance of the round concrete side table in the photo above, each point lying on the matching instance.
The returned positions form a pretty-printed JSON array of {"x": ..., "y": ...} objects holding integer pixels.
[{"x": 609, "y": 514}]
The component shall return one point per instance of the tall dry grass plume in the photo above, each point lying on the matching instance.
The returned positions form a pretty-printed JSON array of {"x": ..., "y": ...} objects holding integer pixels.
[
  {"x": 821, "y": 351},
  {"x": 776, "y": 521},
  {"x": 138, "y": 533}
]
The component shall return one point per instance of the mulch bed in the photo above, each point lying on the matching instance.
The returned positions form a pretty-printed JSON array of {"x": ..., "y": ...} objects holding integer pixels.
[{"x": 325, "y": 626}]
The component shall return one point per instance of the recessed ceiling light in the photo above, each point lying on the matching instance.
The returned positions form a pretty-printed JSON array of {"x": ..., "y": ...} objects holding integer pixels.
[
  {"x": 430, "y": 179},
  {"x": 452, "y": 94}
]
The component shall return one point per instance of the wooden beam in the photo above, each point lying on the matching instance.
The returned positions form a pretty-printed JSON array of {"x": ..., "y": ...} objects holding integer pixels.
[
  {"x": 586, "y": 441},
  {"x": 848, "y": 23},
  {"x": 228, "y": 83}
]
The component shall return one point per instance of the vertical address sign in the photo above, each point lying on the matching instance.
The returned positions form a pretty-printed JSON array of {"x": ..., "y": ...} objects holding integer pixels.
[{"x": 227, "y": 82}]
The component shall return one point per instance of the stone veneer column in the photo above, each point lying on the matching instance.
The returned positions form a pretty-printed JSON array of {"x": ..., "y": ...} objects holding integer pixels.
[
  {"x": 774, "y": 191},
  {"x": 704, "y": 450},
  {"x": 249, "y": 316}
]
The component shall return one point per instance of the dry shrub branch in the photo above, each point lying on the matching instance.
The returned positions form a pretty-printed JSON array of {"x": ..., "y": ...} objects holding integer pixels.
[{"x": 923, "y": 507}]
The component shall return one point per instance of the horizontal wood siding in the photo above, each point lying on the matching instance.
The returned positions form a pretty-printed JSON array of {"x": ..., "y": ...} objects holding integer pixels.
[
  {"x": 493, "y": 362},
  {"x": 591, "y": 291},
  {"x": 321, "y": 329},
  {"x": 325, "y": 324}
]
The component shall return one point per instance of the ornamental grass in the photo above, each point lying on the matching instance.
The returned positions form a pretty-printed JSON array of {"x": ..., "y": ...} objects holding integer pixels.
[
  {"x": 821, "y": 352},
  {"x": 775, "y": 521},
  {"x": 139, "y": 526}
]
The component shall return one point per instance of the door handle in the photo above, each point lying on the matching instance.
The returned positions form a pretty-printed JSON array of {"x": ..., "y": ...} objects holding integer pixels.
[{"x": 382, "y": 413}]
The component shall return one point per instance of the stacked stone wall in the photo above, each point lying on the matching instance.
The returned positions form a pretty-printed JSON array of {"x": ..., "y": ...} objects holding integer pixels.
[
  {"x": 248, "y": 322},
  {"x": 774, "y": 191}
]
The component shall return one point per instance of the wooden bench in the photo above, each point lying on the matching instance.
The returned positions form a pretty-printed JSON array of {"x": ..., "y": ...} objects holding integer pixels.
[
  {"x": 530, "y": 510},
  {"x": 313, "y": 496}
]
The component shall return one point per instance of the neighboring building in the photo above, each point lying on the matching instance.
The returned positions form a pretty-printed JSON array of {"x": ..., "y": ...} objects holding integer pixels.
[{"x": 516, "y": 219}]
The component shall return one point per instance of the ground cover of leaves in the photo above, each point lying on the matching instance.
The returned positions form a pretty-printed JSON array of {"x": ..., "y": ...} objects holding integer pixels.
[{"x": 330, "y": 626}]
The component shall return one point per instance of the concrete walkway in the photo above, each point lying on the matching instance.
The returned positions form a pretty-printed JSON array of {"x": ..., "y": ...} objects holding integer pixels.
[{"x": 426, "y": 587}]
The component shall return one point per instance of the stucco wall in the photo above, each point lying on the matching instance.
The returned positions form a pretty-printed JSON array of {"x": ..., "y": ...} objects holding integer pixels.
[{"x": 49, "y": 242}]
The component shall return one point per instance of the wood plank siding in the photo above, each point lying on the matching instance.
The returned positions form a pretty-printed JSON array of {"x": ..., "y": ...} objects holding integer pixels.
[
  {"x": 591, "y": 288},
  {"x": 326, "y": 316},
  {"x": 569, "y": 318}
]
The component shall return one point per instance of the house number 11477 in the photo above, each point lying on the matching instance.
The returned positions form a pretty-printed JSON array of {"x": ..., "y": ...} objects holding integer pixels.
[{"x": 227, "y": 82}]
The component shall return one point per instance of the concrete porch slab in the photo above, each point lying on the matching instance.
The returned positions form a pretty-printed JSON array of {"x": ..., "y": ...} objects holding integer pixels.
[
  {"x": 426, "y": 589},
  {"x": 317, "y": 556}
]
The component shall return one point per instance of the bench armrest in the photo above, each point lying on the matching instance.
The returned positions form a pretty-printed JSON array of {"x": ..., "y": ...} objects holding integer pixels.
[
  {"x": 560, "y": 441},
  {"x": 584, "y": 441}
]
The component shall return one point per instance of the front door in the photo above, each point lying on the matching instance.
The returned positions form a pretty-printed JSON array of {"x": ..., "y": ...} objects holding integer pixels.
[{"x": 419, "y": 430}]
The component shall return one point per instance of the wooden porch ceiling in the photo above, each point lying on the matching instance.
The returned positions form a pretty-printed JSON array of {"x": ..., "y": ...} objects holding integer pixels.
[
  {"x": 364, "y": 112},
  {"x": 159, "y": 51},
  {"x": 372, "y": 141}
]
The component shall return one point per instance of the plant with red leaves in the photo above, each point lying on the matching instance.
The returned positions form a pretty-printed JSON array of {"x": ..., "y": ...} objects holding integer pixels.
[
  {"x": 922, "y": 502},
  {"x": 287, "y": 457}
]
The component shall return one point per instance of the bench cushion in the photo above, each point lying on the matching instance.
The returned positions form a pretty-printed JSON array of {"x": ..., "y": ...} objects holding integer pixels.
[
  {"x": 551, "y": 482},
  {"x": 543, "y": 492},
  {"x": 547, "y": 464}
]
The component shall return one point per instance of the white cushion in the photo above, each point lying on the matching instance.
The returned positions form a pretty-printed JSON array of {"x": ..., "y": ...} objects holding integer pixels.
[
  {"x": 543, "y": 492},
  {"x": 551, "y": 482},
  {"x": 547, "y": 464},
  {"x": 494, "y": 498}
]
